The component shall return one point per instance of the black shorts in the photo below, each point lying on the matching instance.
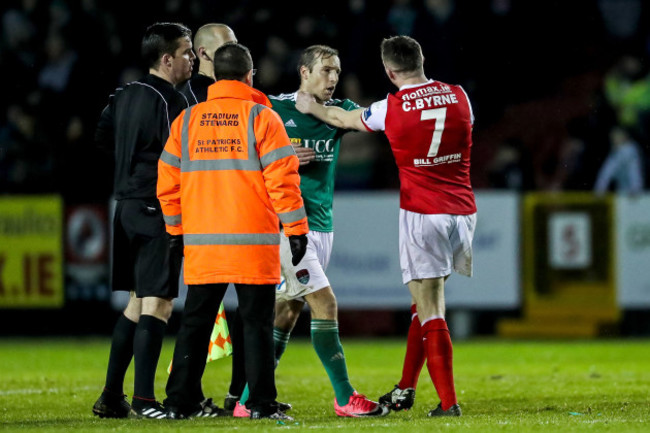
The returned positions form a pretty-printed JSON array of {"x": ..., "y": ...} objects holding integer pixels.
[{"x": 140, "y": 253}]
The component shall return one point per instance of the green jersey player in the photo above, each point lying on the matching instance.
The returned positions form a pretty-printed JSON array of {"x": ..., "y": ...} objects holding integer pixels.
[
  {"x": 317, "y": 145},
  {"x": 317, "y": 177}
]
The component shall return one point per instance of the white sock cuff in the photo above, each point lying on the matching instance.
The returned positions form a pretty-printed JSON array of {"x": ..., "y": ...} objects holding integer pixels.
[{"x": 281, "y": 336}]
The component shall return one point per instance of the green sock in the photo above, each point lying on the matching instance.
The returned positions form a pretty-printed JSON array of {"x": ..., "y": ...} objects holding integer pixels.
[
  {"x": 325, "y": 338},
  {"x": 280, "y": 341}
]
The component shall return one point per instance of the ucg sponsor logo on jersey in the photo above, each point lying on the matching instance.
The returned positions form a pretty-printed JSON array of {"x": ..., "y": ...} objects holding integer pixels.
[
  {"x": 324, "y": 148},
  {"x": 320, "y": 146}
]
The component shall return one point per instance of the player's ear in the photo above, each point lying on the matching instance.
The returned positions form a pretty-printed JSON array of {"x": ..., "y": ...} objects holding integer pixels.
[
  {"x": 249, "y": 78},
  {"x": 166, "y": 60},
  {"x": 203, "y": 55},
  {"x": 304, "y": 72}
]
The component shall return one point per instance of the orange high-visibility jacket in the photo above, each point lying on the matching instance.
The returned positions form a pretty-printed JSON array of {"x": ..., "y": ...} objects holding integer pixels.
[{"x": 228, "y": 171}]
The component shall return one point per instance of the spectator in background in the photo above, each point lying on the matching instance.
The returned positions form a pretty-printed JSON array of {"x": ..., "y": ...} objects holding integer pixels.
[
  {"x": 357, "y": 26},
  {"x": 623, "y": 169},
  {"x": 566, "y": 166},
  {"x": 18, "y": 48},
  {"x": 511, "y": 167},
  {"x": 440, "y": 21},
  {"x": 621, "y": 18},
  {"x": 61, "y": 60},
  {"x": 275, "y": 65},
  {"x": 63, "y": 110},
  {"x": 401, "y": 17},
  {"x": 26, "y": 161},
  {"x": 627, "y": 90}
]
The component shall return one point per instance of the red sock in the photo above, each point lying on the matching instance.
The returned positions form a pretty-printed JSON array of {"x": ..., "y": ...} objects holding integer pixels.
[
  {"x": 414, "y": 358},
  {"x": 437, "y": 345}
]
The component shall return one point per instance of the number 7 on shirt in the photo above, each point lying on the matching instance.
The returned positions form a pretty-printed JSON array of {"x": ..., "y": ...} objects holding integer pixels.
[{"x": 439, "y": 115}]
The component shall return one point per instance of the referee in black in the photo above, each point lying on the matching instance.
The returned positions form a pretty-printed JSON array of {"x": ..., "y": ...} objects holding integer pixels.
[{"x": 135, "y": 126}]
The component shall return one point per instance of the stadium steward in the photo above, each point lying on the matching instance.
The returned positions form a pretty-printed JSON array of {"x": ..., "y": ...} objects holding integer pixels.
[{"x": 228, "y": 177}]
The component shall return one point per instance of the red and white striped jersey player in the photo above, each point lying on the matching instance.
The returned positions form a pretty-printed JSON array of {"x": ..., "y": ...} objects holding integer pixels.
[{"x": 429, "y": 127}]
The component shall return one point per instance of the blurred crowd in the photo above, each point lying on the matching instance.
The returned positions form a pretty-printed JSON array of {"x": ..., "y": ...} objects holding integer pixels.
[{"x": 549, "y": 80}]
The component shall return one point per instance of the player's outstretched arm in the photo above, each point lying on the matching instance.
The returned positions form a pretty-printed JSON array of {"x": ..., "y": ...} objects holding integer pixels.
[{"x": 335, "y": 116}]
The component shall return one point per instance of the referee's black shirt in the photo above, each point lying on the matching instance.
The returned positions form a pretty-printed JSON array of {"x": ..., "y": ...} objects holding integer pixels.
[
  {"x": 135, "y": 125},
  {"x": 196, "y": 88}
]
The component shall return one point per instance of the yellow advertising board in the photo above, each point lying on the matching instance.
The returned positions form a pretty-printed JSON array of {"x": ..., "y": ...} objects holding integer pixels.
[
  {"x": 31, "y": 252},
  {"x": 569, "y": 253},
  {"x": 569, "y": 274}
]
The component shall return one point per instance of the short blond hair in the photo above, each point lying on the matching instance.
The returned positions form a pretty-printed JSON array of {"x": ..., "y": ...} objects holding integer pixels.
[{"x": 311, "y": 54}]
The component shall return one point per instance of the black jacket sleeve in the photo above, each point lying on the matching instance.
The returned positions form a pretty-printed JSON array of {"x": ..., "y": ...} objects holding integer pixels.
[{"x": 105, "y": 131}]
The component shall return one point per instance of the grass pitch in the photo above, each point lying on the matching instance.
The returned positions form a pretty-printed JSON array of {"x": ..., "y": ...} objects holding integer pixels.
[{"x": 50, "y": 385}]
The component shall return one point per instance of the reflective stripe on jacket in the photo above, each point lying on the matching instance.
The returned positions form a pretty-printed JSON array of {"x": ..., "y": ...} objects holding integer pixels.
[{"x": 228, "y": 171}]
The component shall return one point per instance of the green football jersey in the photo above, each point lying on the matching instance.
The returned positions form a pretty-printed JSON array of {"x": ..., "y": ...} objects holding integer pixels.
[{"x": 317, "y": 177}]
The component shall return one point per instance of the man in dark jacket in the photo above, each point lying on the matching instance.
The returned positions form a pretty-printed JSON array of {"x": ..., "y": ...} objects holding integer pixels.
[{"x": 134, "y": 126}]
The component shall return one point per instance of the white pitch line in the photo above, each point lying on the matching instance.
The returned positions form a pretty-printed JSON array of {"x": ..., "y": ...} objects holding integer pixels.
[{"x": 27, "y": 391}]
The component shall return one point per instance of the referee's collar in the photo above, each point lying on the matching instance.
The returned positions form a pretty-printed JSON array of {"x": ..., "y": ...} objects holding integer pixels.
[{"x": 156, "y": 79}]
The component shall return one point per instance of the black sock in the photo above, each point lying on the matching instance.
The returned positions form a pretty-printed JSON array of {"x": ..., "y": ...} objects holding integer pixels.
[
  {"x": 146, "y": 350},
  {"x": 120, "y": 356}
]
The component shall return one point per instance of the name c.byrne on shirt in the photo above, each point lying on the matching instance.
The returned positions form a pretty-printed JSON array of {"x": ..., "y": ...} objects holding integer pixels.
[
  {"x": 444, "y": 159},
  {"x": 429, "y": 102}
]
